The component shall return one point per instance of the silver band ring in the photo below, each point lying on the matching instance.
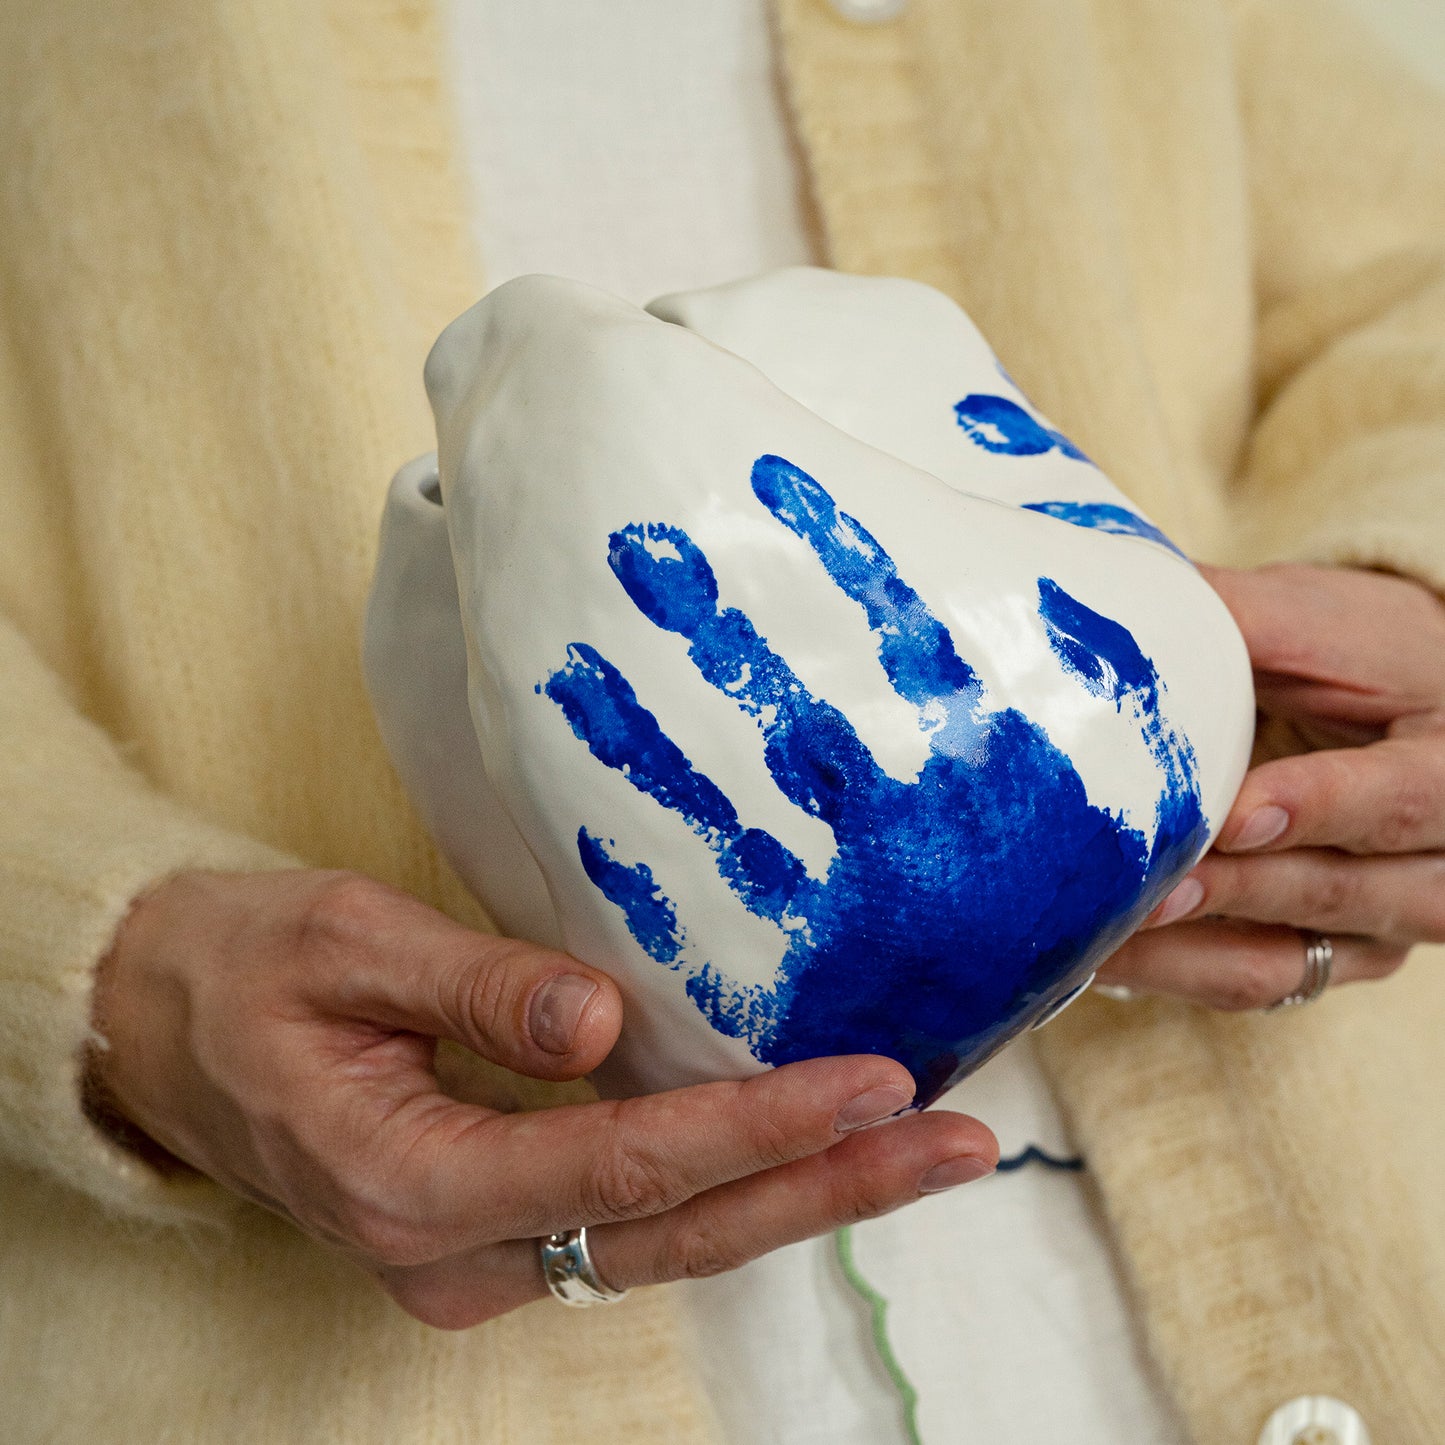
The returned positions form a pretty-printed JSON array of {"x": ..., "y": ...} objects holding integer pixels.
[
  {"x": 1319, "y": 964},
  {"x": 570, "y": 1274}
]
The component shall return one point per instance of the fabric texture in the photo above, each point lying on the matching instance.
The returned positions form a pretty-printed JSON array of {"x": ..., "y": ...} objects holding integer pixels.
[
  {"x": 1005, "y": 1310},
  {"x": 1208, "y": 240},
  {"x": 646, "y": 149},
  {"x": 642, "y": 148}
]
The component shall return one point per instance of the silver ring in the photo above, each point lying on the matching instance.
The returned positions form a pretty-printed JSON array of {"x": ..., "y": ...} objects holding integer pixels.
[
  {"x": 1319, "y": 964},
  {"x": 570, "y": 1274}
]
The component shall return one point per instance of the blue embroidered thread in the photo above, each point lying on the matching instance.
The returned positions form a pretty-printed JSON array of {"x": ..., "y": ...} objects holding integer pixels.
[
  {"x": 954, "y": 903},
  {"x": 1032, "y": 1154}
]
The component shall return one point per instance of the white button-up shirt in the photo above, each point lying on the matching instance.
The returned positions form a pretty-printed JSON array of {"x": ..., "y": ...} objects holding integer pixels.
[{"x": 644, "y": 147}]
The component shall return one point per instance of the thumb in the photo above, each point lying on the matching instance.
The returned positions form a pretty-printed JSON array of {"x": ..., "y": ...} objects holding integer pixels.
[{"x": 531, "y": 1009}]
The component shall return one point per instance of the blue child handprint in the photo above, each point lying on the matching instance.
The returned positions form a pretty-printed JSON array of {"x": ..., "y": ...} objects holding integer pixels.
[
  {"x": 955, "y": 902},
  {"x": 999, "y": 425}
]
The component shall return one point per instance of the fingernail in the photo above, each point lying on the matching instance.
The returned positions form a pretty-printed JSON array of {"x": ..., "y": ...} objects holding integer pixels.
[
  {"x": 556, "y": 1010},
  {"x": 952, "y": 1172},
  {"x": 1185, "y": 899},
  {"x": 1262, "y": 826},
  {"x": 870, "y": 1106}
]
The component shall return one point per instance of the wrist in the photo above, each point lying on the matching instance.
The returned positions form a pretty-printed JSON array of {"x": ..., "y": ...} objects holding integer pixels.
[
  {"x": 100, "y": 1097},
  {"x": 103, "y": 1109}
]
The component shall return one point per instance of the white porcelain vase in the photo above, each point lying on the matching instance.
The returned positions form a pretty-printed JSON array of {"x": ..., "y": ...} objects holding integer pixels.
[{"x": 766, "y": 649}]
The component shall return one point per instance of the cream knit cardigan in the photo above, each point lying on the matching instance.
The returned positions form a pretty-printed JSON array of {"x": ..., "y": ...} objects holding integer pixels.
[{"x": 1208, "y": 238}]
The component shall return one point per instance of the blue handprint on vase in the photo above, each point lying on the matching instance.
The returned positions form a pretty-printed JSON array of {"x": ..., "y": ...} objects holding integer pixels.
[
  {"x": 954, "y": 902},
  {"x": 999, "y": 425}
]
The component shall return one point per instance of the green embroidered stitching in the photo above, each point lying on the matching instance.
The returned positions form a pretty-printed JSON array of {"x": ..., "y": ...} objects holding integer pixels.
[{"x": 878, "y": 1314}]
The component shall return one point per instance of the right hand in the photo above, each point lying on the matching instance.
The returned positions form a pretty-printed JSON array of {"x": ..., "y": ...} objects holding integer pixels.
[{"x": 277, "y": 1031}]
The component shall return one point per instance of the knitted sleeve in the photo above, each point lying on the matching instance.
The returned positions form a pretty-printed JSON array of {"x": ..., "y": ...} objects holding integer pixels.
[
  {"x": 81, "y": 835},
  {"x": 1346, "y": 154}
]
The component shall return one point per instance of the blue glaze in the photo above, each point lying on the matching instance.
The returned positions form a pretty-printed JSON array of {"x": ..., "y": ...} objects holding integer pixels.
[
  {"x": 1104, "y": 517},
  {"x": 959, "y": 905},
  {"x": 650, "y": 915},
  {"x": 1107, "y": 661},
  {"x": 1000, "y": 425}
]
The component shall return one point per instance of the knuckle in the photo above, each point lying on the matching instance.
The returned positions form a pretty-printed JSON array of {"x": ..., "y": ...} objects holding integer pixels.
[
  {"x": 769, "y": 1142},
  {"x": 1407, "y": 816},
  {"x": 865, "y": 1199},
  {"x": 478, "y": 995},
  {"x": 1322, "y": 782},
  {"x": 629, "y": 1183},
  {"x": 1253, "y": 982},
  {"x": 1333, "y": 892},
  {"x": 698, "y": 1250},
  {"x": 853, "y": 1195},
  {"x": 341, "y": 911}
]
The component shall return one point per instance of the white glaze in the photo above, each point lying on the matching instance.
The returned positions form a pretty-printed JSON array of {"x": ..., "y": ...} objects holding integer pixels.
[
  {"x": 415, "y": 660},
  {"x": 564, "y": 415}
]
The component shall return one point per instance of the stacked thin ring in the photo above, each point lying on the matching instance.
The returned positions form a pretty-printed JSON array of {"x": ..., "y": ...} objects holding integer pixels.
[{"x": 1319, "y": 964}]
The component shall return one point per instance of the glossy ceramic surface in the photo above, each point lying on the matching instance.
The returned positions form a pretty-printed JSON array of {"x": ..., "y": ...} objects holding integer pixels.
[{"x": 770, "y": 652}]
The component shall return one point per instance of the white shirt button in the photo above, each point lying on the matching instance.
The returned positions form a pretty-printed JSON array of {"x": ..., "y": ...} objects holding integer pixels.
[
  {"x": 869, "y": 12},
  {"x": 1315, "y": 1420}
]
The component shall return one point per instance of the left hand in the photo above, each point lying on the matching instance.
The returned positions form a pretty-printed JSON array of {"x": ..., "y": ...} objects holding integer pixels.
[{"x": 1339, "y": 829}]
